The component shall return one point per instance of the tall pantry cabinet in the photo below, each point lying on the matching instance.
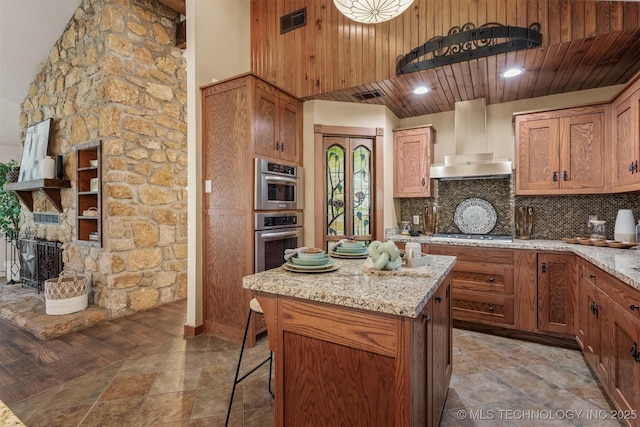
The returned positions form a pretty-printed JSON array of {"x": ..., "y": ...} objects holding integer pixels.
[{"x": 237, "y": 125}]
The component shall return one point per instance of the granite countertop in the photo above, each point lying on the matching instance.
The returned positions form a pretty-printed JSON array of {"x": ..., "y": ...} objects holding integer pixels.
[
  {"x": 349, "y": 286},
  {"x": 623, "y": 264}
]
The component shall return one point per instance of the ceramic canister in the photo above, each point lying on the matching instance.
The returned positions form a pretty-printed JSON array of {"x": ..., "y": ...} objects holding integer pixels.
[
  {"x": 47, "y": 167},
  {"x": 625, "y": 229}
]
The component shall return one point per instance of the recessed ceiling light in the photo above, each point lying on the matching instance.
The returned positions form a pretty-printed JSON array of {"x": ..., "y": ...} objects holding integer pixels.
[
  {"x": 511, "y": 72},
  {"x": 420, "y": 90}
]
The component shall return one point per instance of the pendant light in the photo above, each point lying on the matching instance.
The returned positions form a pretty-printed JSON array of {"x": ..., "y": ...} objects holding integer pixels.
[{"x": 372, "y": 11}]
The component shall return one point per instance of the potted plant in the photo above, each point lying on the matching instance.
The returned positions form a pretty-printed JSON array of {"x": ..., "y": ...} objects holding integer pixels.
[{"x": 9, "y": 217}]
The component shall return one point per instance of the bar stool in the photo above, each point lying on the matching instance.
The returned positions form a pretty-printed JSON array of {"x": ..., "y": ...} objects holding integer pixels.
[{"x": 254, "y": 307}]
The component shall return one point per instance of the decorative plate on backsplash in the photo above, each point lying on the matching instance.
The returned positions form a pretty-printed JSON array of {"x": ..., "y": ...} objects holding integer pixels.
[{"x": 475, "y": 216}]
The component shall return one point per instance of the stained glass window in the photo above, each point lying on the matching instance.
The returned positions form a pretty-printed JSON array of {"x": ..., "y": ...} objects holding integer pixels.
[
  {"x": 335, "y": 190},
  {"x": 361, "y": 187}
]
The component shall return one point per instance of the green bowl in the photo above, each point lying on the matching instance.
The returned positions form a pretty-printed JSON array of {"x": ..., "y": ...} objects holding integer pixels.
[
  {"x": 311, "y": 254},
  {"x": 310, "y": 262}
]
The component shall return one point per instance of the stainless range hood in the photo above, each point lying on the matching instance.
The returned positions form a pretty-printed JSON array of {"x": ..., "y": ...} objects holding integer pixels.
[{"x": 472, "y": 161}]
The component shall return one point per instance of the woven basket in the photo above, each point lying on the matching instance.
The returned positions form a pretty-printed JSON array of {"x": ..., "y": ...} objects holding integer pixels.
[
  {"x": 68, "y": 293},
  {"x": 92, "y": 212}
]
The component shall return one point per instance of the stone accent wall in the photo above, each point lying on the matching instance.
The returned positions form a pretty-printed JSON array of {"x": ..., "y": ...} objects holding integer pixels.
[{"x": 115, "y": 75}]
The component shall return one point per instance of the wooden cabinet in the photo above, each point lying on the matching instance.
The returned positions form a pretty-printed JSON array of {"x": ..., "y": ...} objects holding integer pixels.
[
  {"x": 556, "y": 292},
  {"x": 625, "y": 140},
  {"x": 236, "y": 119},
  {"x": 89, "y": 193},
  {"x": 442, "y": 348},
  {"x": 412, "y": 150},
  {"x": 277, "y": 124},
  {"x": 482, "y": 286},
  {"x": 625, "y": 363},
  {"x": 593, "y": 314},
  {"x": 337, "y": 365},
  {"x": 561, "y": 152}
]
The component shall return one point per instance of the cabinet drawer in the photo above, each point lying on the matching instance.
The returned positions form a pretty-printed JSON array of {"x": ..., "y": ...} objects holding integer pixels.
[
  {"x": 482, "y": 308},
  {"x": 590, "y": 273},
  {"x": 479, "y": 255},
  {"x": 494, "y": 278},
  {"x": 624, "y": 295}
]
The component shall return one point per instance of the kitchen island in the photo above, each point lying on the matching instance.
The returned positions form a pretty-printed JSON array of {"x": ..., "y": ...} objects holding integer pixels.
[{"x": 358, "y": 348}]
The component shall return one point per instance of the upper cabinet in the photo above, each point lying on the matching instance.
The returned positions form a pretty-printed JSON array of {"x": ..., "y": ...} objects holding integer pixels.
[
  {"x": 412, "y": 150},
  {"x": 277, "y": 124},
  {"x": 625, "y": 139},
  {"x": 561, "y": 152}
]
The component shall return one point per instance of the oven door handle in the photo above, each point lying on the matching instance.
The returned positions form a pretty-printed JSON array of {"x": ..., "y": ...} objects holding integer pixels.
[
  {"x": 279, "y": 235},
  {"x": 275, "y": 178}
]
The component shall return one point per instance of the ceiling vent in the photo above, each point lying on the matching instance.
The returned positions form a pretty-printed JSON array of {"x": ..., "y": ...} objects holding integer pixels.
[
  {"x": 365, "y": 96},
  {"x": 293, "y": 20}
]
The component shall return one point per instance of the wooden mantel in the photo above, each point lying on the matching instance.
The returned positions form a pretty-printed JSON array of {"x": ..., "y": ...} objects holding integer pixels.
[
  {"x": 50, "y": 187},
  {"x": 179, "y": 6}
]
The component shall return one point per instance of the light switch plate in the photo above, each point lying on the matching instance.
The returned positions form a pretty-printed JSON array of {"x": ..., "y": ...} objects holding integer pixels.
[{"x": 207, "y": 186}]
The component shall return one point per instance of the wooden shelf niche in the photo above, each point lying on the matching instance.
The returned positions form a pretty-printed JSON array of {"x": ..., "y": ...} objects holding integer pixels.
[
  {"x": 89, "y": 198},
  {"x": 51, "y": 188}
]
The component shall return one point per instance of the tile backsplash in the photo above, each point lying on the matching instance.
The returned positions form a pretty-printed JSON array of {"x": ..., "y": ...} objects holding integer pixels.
[{"x": 554, "y": 216}]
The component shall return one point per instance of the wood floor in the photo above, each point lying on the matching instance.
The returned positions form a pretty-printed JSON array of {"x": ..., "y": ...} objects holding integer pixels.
[{"x": 29, "y": 365}]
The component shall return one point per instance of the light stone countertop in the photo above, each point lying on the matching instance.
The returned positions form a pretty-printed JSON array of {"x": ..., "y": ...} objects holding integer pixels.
[
  {"x": 621, "y": 263},
  {"x": 349, "y": 286}
]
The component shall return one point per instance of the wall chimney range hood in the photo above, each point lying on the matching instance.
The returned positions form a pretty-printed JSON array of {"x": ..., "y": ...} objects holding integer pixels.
[{"x": 471, "y": 161}]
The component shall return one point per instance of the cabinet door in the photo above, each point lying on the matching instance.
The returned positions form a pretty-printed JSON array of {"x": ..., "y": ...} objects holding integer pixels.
[
  {"x": 442, "y": 348},
  {"x": 625, "y": 362},
  {"x": 603, "y": 324},
  {"x": 555, "y": 292},
  {"x": 290, "y": 131},
  {"x": 265, "y": 124},
  {"x": 412, "y": 156},
  {"x": 625, "y": 141},
  {"x": 582, "y": 155},
  {"x": 538, "y": 156}
]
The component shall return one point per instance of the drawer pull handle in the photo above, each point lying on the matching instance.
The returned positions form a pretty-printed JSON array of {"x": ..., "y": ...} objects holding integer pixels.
[
  {"x": 565, "y": 175},
  {"x": 634, "y": 307},
  {"x": 438, "y": 299},
  {"x": 426, "y": 317},
  {"x": 592, "y": 276},
  {"x": 634, "y": 352},
  {"x": 491, "y": 309},
  {"x": 492, "y": 279},
  {"x": 543, "y": 267},
  {"x": 277, "y": 145},
  {"x": 282, "y": 147},
  {"x": 423, "y": 182},
  {"x": 554, "y": 176}
]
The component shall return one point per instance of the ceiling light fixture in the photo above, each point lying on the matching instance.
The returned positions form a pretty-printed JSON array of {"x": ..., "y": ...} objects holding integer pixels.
[
  {"x": 421, "y": 90},
  {"x": 372, "y": 11},
  {"x": 511, "y": 72}
]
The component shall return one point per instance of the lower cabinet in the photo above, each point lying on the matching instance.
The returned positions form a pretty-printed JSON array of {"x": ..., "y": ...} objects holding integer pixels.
[
  {"x": 556, "y": 292},
  {"x": 442, "y": 348},
  {"x": 608, "y": 331},
  {"x": 482, "y": 288},
  {"x": 625, "y": 363}
]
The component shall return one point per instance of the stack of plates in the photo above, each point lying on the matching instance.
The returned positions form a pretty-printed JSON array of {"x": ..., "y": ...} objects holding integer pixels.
[
  {"x": 318, "y": 265},
  {"x": 353, "y": 251}
]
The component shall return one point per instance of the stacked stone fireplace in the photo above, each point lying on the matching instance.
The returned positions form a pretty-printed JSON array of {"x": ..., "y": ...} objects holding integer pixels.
[{"x": 115, "y": 75}]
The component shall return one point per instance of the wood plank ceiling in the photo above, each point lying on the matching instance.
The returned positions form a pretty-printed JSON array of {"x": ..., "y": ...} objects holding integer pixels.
[{"x": 586, "y": 44}]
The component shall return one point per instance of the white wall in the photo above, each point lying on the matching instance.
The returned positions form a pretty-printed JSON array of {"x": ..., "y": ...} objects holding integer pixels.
[{"x": 218, "y": 47}]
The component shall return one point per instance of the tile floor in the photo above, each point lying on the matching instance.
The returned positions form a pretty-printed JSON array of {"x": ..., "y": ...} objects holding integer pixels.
[{"x": 187, "y": 382}]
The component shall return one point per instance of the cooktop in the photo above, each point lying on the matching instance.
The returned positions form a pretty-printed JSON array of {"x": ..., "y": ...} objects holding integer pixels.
[{"x": 484, "y": 237}]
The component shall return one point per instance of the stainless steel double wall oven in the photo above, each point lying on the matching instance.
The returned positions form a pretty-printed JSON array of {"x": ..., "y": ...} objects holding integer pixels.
[{"x": 278, "y": 211}]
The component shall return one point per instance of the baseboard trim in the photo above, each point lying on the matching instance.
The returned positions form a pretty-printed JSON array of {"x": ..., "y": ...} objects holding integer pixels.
[
  {"x": 192, "y": 331},
  {"x": 555, "y": 341}
]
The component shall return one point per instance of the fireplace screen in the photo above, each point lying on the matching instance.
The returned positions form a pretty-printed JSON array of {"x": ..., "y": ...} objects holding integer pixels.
[{"x": 39, "y": 260}]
